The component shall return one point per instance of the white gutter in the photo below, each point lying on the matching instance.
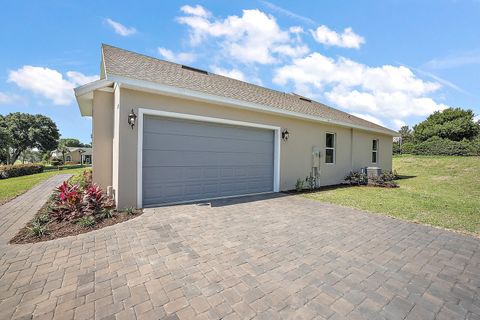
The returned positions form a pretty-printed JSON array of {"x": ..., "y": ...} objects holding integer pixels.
[
  {"x": 177, "y": 92},
  {"x": 84, "y": 95}
]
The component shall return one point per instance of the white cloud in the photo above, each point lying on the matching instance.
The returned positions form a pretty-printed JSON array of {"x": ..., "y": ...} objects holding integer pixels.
[
  {"x": 198, "y": 10},
  {"x": 476, "y": 118},
  {"x": 233, "y": 73},
  {"x": 369, "y": 117},
  {"x": 180, "y": 57},
  {"x": 385, "y": 91},
  {"x": 7, "y": 98},
  {"x": 49, "y": 83},
  {"x": 346, "y": 39},
  {"x": 120, "y": 29},
  {"x": 254, "y": 37},
  {"x": 397, "y": 123}
]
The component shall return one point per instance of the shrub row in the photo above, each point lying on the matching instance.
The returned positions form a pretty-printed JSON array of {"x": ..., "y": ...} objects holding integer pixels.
[
  {"x": 442, "y": 147},
  {"x": 17, "y": 170}
]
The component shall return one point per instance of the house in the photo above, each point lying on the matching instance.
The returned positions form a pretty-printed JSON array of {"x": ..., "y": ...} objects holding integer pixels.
[
  {"x": 169, "y": 133},
  {"x": 79, "y": 155}
]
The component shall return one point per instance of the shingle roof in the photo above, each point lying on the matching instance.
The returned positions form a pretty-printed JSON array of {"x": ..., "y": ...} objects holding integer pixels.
[{"x": 133, "y": 65}]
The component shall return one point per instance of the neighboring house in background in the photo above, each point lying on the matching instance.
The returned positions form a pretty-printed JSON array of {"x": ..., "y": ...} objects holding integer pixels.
[
  {"x": 75, "y": 154},
  {"x": 200, "y": 135}
]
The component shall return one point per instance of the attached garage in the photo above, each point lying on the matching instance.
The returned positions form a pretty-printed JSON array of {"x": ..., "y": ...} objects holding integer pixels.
[{"x": 188, "y": 158}]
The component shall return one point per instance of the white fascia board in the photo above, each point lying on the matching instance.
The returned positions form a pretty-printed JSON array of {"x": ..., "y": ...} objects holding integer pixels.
[
  {"x": 84, "y": 95},
  {"x": 153, "y": 87}
]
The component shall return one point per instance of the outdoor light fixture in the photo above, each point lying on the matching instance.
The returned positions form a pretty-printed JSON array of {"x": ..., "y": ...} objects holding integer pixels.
[
  {"x": 132, "y": 117},
  {"x": 285, "y": 135}
]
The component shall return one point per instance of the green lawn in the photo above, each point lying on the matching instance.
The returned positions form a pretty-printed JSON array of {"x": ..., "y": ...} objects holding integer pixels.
[
  {"x": 439, "y": 191},
  {"x": 12, "y": 187}
]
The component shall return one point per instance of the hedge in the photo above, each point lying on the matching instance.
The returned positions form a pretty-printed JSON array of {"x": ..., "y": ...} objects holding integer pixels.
[
  {"x": 17, "y": 170},
  {"x": 446, "y": 147}
]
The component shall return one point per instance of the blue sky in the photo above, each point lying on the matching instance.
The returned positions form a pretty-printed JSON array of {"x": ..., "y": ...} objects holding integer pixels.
[{"x": 392, "y": 62}]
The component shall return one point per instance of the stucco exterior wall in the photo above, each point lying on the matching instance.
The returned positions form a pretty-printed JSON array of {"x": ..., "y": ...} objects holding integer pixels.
[
  {"x": 102, "y": 126},
  {"x": 295, "y": 154}
]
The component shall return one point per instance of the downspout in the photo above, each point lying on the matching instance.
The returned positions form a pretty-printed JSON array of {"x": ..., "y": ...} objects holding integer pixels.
[{"x": 351, "y": 149}]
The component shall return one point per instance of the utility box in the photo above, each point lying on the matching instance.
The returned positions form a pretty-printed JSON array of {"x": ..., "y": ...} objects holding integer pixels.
[
  {"x": 373, "y": 172},
  {"x": 315, "y": 157}
]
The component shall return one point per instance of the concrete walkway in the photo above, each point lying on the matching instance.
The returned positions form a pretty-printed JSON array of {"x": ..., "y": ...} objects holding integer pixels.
[
  {"x": 17, "y": 212},
  {"x": 277, "y": 257}
]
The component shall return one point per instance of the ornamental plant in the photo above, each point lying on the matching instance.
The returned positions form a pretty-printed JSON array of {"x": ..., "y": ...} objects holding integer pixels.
[{"x": 74, "y": 201}]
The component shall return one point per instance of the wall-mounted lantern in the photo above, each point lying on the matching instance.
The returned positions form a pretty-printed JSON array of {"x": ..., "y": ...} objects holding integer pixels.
[
  {"x": 285, "y": 135},
  {"x": 132, "y": 117}
]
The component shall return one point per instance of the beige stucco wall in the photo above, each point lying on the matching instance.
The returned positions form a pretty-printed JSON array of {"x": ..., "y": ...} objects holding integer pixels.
[
  {"x": 295, "y": 154},
  {"x": 102, "y": 126}
]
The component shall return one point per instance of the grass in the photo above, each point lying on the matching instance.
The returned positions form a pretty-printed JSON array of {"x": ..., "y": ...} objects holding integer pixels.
[
  {"x": 434, "y": 190},
  {"x": 13, "y": 187}
]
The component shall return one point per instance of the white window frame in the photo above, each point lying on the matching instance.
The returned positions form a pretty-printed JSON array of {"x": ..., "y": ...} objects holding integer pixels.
[
  {"x": 154, "y": 112},
  {"x": 375, "y": 151},
  {"x": 331, "y": 148},
  {"x": 68, "y": 158}
]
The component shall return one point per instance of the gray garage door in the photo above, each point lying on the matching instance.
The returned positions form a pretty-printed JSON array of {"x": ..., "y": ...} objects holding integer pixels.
[{"x": 187, "y": 160}]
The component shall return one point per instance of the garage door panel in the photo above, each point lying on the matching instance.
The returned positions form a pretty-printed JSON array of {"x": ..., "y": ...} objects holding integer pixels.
[
  {"x": 199, "y": 174},
  {"x": 187, "y": 160},
  {"x": 156, "y": 158},
  {"x": 189, "y": 143},
  {"x": 166, "y": 126}
]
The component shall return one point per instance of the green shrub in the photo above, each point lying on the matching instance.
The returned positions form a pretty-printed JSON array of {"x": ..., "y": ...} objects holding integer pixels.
[
  {"x": 443, "y": 147},
  {"x": 17, "y": 170},
  {"x": 130, "y": 211},
  {"x": 86, "y": 222},
  {"x": 38, "y": 229},
  {"x": 407, "y": 148},
  {"x": 396, "y": 148},
  {"x": 299, "y": 185},
  {"x": 356, "y": 178}
]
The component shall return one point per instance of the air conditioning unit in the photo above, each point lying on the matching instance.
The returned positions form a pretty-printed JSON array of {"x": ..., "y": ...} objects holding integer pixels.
[{"x": 373, "y": 171}]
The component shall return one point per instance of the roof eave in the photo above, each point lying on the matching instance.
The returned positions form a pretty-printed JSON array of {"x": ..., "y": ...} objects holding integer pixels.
[
  {"x": 153, "y": 87},
  {"x": 84, "y": 95}
]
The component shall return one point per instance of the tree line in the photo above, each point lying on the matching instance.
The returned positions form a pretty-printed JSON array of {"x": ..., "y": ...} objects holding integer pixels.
[
  {"x": 452, "y": 131},
  {"x": 30, "y": 138}
]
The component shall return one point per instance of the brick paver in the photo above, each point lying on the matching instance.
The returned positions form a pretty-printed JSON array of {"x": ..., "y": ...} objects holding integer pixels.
[{"x": 276, "y": 257}]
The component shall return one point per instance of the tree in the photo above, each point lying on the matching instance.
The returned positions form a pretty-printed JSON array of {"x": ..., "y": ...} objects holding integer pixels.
[
  {"x": 406, "y": 134},
  {"x": 453, "y": 123},
  {"x": 4, "y": 141},
  {"x": 71, "y": 142},
  {"x": 26, "y": 131}
]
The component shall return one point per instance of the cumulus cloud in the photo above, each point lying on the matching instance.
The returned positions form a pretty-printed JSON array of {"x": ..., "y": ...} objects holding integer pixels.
[
  {"x": 180, "y": 57},
  {"x": 8, "y": 98},
  {"x": 398, "y": 123},
  {"x": 346, "y": 39},
  {"x": 390, "y": 91},
  {"x": 120, "y": 29},
  {"x": 231, "y": 73},
  {"x": 254, "y": 37},
  {"x": 369, "y": 117},
  {"x": 49, "y": 83},
  {"x": 198, "y": 11}
]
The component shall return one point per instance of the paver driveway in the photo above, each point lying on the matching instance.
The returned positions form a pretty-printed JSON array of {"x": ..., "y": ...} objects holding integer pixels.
[{"x": 265, "y": 258}]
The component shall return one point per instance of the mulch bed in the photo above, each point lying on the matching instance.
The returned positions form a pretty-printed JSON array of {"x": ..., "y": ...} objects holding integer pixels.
[{"x": 61, "y": 229}]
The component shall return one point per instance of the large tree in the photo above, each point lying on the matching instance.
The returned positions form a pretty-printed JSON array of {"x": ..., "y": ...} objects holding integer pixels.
[
  {"x": 453, "y": 123},
  {"x": 26, "y": 131},
  {"x": 406, "y": 134},
  {"x": 71, "y": 142}
]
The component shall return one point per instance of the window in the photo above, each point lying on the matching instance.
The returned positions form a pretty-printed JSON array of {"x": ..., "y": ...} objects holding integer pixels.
[
  {"x": 68, "y": 158},
  {"x": 374, "y": 151},
  {"x": 330, "y": 148}
]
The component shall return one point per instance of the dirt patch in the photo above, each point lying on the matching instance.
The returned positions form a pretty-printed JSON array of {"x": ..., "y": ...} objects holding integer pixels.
[{"x": 61, "y": 229}]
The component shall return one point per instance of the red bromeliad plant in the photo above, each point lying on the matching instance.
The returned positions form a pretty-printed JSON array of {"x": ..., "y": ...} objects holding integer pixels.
[
  {"x": 74, "y": 201},
  {"x": 94, "y": 200},
  {"x": 66, "y": 203}
]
